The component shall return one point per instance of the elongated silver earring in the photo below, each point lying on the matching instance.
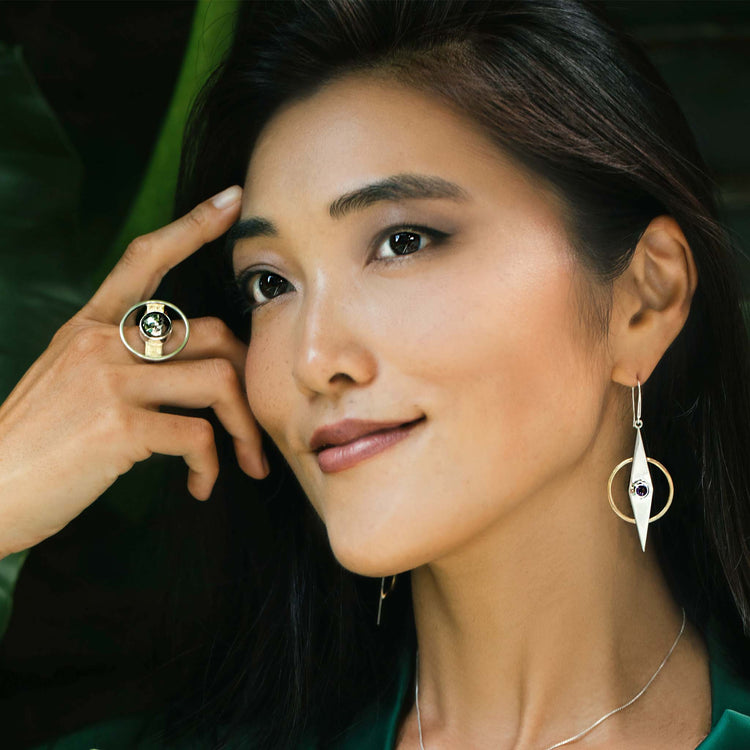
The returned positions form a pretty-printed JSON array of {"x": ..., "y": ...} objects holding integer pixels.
[
  {"x": 383, "y": 595},
  {"x": 641, "y": 488}
]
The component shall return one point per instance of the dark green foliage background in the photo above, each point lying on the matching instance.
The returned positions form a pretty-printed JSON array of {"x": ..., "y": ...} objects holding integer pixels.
[{"x": 82, "y": 641}]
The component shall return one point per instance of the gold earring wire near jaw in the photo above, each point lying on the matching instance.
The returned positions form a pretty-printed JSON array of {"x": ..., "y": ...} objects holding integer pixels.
[{"x": 383, "y": 595}]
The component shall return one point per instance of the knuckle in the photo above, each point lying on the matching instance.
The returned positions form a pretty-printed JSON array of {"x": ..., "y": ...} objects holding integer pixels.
[
  {"x": 87, "y": 340},
  {"x": 142, "y": 254},
  {"x": 138, "y": 249},
  {"x": 223, "y": 371},
  {"x": 198, "y": 218},
  {"x": 115, "y": 419},
  {"x": 217, "y": 330},
  {"x": 202, "y": 433},
  {"x": 61, "y": 336}
]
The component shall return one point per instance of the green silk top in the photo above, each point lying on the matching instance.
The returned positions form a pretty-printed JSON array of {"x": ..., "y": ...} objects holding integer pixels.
[{"x": 376, "y": 727}]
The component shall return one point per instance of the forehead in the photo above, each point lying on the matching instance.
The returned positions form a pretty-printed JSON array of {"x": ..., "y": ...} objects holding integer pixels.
[{"x": 360, "y": 129}]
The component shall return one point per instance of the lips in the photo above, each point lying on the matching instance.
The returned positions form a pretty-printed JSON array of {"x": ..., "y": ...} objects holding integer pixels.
[
  {"x": 349, "y": 430},
  {"x": 345, "y": 455}
]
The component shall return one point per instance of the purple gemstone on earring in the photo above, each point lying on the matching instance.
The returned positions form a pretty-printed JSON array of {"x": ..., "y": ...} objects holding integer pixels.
[{"x": 640, "y": 488}]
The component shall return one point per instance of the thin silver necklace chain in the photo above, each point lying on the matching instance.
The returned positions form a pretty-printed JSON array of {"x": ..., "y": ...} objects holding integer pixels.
[{"x": 588, "y": 729}]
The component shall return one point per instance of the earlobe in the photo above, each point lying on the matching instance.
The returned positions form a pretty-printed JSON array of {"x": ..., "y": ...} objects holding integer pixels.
[{"x": 651, "y": 300}]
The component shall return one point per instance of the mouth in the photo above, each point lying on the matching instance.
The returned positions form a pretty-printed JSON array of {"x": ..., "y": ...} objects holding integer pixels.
[
  {"x": 369, "y": 434},
  {"x": 333, "y": 458}
]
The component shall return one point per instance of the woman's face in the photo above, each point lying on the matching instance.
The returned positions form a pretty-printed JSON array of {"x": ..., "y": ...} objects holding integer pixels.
[{"x": 477, "y": 330}]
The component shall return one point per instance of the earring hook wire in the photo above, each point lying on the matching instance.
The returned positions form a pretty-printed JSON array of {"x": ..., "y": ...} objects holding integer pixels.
[{"x": 637, "y": 421}]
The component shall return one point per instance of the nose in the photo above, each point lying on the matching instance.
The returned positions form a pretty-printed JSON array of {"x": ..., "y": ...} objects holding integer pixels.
[{"x": 332, "y": 350}]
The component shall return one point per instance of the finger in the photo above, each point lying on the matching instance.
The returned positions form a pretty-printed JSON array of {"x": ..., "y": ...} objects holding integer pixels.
[
  {"x": 189, "y": 437},
  {"x": 209, "y": 337},
  {"x": 200, "y": 384},
  {"x": 147, "y": 258}
]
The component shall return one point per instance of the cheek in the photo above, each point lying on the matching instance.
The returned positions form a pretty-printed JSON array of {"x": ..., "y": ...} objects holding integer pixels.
[
  {"x": 500, "y": 333},
  {"x": 267, "y": 369},
  {"x": 497, "y": 359}
]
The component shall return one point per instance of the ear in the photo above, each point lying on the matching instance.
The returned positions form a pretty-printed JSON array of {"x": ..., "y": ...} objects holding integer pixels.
[{"x": 651, "y": 301}]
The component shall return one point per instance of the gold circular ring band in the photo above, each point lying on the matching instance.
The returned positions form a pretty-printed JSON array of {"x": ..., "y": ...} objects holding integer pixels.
[
  {"x": 666, "y": 474},
  {"x": 160, "y": 358}
]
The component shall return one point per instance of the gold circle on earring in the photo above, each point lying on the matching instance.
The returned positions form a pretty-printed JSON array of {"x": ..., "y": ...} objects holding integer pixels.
[{"x": 666, "y": 474}]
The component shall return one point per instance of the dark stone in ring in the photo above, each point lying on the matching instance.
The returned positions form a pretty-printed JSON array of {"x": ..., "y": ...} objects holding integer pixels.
[{"x": 156, "y": 325}]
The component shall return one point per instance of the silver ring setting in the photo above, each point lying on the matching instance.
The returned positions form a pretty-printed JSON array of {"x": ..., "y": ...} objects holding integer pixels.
[{"x": 154, "y": 328}]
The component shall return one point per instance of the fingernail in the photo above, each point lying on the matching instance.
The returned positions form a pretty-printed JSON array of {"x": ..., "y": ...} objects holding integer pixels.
[{"x": 227, "y": 197}]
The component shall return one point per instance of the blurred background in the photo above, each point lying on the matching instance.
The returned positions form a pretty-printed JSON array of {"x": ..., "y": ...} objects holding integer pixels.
[
  {"x": 702, "y": 49},
  {"x": 93, "y": 97}
]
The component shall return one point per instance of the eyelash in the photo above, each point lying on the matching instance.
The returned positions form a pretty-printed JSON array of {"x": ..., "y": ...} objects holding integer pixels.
[{"x": 244, "y": 279}]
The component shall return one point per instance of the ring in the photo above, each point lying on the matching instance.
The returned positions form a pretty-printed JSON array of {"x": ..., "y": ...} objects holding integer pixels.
[
  {"x": 662, "y": 511},
  {"x": 154, "y": 327}
]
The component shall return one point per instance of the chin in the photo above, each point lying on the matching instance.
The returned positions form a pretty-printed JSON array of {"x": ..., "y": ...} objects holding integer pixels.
[
  {"x": 361, "y": 563},
  {"x": 364, "y": 559},
  {"x": 368, "y": 556}
]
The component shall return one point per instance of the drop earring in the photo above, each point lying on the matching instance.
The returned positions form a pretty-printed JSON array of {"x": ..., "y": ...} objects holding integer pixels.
[
  {"x": 383, "y": 595},
  {"x": 640, "y": 488}
]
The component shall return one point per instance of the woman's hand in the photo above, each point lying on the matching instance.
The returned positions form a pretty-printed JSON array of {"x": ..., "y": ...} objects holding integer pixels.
[{"x": 87, "y": 409}]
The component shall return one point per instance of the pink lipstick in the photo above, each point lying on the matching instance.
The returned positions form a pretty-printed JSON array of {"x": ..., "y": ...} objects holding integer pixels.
[{"x": 340, "y": 457}]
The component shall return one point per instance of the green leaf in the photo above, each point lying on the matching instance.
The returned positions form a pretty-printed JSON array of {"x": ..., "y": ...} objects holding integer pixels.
[{"x": 45, "y": 277}]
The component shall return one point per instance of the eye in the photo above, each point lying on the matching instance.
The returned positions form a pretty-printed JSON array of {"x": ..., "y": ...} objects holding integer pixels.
[
  {"x": 257, "y": 287},
  {"x": 405, "y": 240}
]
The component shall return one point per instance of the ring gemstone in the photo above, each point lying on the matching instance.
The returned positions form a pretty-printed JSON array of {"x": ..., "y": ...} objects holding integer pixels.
[
  {"x": 156, "y": 325},
  {"x": 154, "y": 328}
]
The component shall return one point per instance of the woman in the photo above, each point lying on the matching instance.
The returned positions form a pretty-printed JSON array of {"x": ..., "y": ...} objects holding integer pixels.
[{"x": 483, "y": 229}]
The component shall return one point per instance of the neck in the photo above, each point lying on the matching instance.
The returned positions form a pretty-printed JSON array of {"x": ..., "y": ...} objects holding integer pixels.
[{"x": 549, "y": 619}]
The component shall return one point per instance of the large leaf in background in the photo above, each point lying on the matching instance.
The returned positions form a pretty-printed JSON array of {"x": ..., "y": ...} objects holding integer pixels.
[
  {"x": 40, "y": 179},
  {"x": 45, "y": 276},
  {"x": 89, "y": 609},
  {"x": 211, "y": 35}
]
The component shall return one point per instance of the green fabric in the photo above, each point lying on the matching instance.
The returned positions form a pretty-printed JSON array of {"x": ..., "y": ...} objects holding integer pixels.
[
  {"x": 377, "y": 726},
  {"x": 730, "y": 700},
  {"x": 44, "y": 278}
]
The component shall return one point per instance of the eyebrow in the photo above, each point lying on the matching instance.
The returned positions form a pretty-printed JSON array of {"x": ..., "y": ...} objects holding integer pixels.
[{"x": 394, "y": 188}]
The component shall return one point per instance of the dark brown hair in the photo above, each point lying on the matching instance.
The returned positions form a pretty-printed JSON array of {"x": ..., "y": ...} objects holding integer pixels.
[{"x": 294, "y": 647}]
